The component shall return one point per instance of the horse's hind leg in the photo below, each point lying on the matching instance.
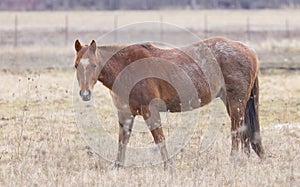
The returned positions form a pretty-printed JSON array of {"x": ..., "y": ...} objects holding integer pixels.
[
  {"x": 236, "y": 110},
  {"x": 246, "y": 142},
  {"x": 152, "y": 118},
  {"x": 125, "y": 127}
]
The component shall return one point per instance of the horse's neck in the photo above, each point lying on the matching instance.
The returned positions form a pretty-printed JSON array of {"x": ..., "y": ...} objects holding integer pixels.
[
  {"x": 111, "y": 64},
  {"x": 106, "y": 52}
]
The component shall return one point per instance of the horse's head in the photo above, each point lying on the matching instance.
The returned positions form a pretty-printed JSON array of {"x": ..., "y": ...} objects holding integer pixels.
[{"x": 87, "y": 68}]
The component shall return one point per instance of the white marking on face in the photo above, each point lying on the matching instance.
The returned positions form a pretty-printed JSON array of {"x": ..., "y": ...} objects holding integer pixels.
[
  {"x": 84, "y": 62},
  {"x": 84, "y": 71}
]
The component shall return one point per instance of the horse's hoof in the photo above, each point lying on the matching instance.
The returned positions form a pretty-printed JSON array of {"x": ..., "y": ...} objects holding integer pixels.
[
  {"x": 234, "y": 153},
  {"x": 247, "y": 151},
  {"x": 116, "y": 166},
  {"x": 262, "y": 156},
  {"x": 234, "y": 156},
  {"x": 168, "y": 166}
]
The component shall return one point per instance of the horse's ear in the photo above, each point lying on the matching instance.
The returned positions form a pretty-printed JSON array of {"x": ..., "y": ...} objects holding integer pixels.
[
  {"x": 78, "y": 46},
  {"x": 93, "y": 46}
]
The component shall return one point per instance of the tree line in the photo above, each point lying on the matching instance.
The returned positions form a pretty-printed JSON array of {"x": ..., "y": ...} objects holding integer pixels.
[{"x": 143, "y": 4}]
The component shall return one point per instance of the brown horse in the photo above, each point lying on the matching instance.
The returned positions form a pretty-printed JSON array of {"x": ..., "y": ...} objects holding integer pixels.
[{"x": 229, "y": 73}]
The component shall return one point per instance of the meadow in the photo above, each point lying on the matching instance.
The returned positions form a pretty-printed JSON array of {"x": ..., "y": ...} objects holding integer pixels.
[{"x": 41, "y": 144}]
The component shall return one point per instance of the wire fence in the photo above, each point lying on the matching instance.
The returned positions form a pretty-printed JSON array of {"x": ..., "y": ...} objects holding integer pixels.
[
  {"x": 64, "y": 29},
  {"x": 64, "y": 34}
]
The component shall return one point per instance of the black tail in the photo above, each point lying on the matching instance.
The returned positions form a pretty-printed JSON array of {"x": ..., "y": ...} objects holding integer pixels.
[{"x": 252, "y": 120}]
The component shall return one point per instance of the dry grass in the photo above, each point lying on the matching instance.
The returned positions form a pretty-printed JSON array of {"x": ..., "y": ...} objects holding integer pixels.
[{"x": 41, "y": 144}]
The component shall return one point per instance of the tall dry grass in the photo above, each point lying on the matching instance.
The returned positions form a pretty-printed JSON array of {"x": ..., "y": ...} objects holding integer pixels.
[{"x": 41, "y": 144}]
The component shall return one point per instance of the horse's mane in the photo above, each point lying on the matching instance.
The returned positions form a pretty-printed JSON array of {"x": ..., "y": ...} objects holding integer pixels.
[
  {"x": 111, "y": 47},
  {"x": 116, "y": 47}
]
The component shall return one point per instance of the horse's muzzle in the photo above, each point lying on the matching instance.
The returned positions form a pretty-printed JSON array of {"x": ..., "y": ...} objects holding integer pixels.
[{"x": 85, "y": 95}]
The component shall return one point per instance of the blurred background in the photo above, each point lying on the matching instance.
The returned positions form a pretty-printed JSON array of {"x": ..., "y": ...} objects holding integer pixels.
[
  {"x": 143, "y": 4},
  {"x": 271, "y": 27}
]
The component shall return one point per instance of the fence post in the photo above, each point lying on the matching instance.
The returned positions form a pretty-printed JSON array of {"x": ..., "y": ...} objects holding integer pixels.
[
  {"x": 205, "y": 26},
  {"x": 16, "y": 32},
  {"x": 66, "y": 29},
  {"x": 161, "y": 36},
  {"x": 248, "y": 29},
  {"x": 115, "y": 28},
  {"x": 287, "y": 28}
]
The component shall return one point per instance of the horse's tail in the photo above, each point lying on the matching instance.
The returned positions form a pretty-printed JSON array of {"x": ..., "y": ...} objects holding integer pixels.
[{"x": 252, "y": 120}]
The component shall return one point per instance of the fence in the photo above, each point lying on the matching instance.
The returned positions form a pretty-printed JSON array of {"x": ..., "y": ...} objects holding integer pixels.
[
  {"x": 64, "y": 28},
  {"x": 246, "y": 32}
]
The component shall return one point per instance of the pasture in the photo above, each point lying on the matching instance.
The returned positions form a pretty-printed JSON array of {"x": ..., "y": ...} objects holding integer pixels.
[{"x": 40, "y": 143}]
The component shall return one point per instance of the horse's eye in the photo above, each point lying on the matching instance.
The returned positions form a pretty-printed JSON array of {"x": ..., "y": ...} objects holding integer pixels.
[
  {"x": 76, "y": 65},
  {"x": 94, "y": 66}
]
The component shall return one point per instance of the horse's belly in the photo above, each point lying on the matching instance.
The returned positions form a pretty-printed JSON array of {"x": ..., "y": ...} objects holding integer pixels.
[{"x": 177, "y": 106}]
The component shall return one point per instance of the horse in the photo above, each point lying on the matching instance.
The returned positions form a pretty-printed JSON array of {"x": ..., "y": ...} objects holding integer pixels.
[{"x": 231, "y": 74}]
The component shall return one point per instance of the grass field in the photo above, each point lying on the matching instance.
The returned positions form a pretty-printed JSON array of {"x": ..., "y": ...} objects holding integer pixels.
[{"x": 40, "y": 143}]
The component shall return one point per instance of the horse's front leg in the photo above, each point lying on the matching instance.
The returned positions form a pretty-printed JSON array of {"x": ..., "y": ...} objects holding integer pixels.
[
  {"x": 125, "y": 127},
  {"x": 159, "y": 140},
  {"x": 152, "y": 119}
]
